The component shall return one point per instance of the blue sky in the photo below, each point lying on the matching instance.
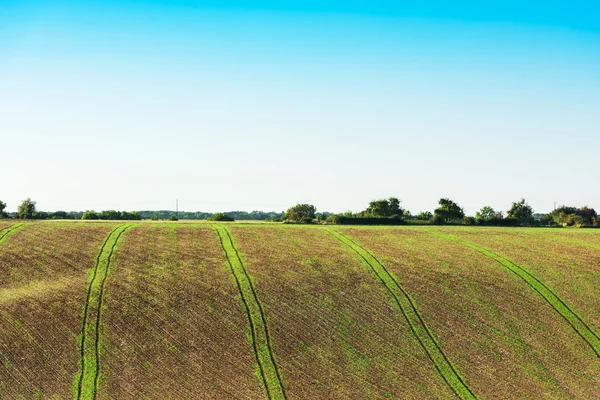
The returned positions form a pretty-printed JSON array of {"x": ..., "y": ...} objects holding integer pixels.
[{"x": 255, "y": 105}]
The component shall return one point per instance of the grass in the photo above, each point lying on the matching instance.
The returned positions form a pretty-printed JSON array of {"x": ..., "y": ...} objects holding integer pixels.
[{"x": 408, "y": 308}]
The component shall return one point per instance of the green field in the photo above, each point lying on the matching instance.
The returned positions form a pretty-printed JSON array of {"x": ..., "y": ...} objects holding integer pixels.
[{"x": 270, "y": 311}]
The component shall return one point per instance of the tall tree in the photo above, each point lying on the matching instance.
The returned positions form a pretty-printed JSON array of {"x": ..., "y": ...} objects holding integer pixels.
[
  {"x": 448, "y": 211},
  {"x": 521, "y": 211},
  {"x": 301, "y": 212},
  {"x": 384, "y": 208},
  {"x": 2, "y": 207},
  {"x": 486, "y": 213},
  {"x": 26, "y": 209}
]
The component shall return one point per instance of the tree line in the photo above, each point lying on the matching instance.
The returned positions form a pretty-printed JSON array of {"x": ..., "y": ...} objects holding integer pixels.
[
  {"x": 448, "y": 212},
  {"x": 378, "y": 212}
]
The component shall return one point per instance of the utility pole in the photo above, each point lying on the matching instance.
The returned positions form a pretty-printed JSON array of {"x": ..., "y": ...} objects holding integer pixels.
[{"x": 177, "y": 208}]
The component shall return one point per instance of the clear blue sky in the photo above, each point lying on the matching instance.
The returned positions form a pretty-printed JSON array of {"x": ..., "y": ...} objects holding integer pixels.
[{"x": 259, "y": 105}]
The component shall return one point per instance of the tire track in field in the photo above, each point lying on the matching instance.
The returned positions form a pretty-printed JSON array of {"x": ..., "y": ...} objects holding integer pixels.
[
  {"x": 87, "y": 377},
  {"x": 407, "y": 306},
  {"x": 562, "y": 308},
  {"x": 270, "y": 375},
  {"x": 7, "y": 231}
]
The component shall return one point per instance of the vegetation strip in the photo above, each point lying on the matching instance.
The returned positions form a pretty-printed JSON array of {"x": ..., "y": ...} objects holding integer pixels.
[
  {"x": 408, "y": 308},
  {"x": 6, "y": 231},
  {"x": 270, "y": 376},
  {"x": 87, "y": 377},
  {"x": 582, "y": 329}
]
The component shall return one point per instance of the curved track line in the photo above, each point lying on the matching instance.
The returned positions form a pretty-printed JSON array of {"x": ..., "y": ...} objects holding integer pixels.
[
  {"x": 7, "y": 231},
  {"x": 417, "y": 325},
  {"x": 87, "y": 377},
  {"x": 562, "y": 308},
  {"x": 271, "y": 378}
]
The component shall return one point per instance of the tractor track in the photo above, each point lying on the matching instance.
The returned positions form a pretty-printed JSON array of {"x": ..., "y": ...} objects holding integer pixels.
[
  {"x": 415, "y": 321},
  {"x": 87, "y": 378},
  {"x": 8, "y": 230},
  {"x": 260, "y": 334},
  {"x": 561, "y": 307}
]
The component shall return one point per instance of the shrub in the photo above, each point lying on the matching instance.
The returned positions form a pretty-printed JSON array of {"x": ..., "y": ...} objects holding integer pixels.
[
  {"x": 89, "y": 215},
  {"x": 469, "y": 221},
  {"x": 221, "y": 217}
]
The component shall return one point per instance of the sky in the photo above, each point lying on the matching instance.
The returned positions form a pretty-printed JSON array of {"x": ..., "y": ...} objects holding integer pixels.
[{"x": 259, "y": 105}]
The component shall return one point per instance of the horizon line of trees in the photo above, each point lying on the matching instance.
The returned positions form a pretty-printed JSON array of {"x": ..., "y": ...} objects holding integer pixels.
[
  {"x": 379, "y": 212},
  {"x": 389, "y": 212}
]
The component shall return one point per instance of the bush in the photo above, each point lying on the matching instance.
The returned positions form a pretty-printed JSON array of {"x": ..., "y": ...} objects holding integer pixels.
[
  {"x": 438, "y": 220},
  {"x": 300, "y": 212},
  {"x": 89, "y": 215},
  {"x": 469, "y": 221},
  {"x": 173, "y": 218},
  {"x": 221, "y": 217}
]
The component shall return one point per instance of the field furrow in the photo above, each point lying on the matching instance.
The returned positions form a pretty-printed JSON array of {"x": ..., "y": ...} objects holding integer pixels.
[
  {"x": 259, "y": 330},
  {"x": 567, "y": 312},
  {"x": 87, "y": 378},
  {"x": 406, "y": 305}
]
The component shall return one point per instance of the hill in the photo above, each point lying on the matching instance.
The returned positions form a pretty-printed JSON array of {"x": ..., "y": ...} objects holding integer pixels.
[{"x": 196, "y": 310}]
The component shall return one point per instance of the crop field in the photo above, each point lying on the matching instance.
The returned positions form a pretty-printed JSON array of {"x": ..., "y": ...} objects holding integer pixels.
[{"x": 161, "y": 310}]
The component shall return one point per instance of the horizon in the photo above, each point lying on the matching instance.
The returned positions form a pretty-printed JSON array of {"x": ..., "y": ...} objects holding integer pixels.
[{"x": 260, "y": 106}]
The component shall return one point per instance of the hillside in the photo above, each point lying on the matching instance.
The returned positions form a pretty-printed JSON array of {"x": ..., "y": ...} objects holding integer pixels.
[{"x": 196, "y": 310}]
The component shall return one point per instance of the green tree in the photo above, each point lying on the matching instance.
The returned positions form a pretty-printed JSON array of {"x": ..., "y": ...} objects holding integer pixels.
[
  {"x": 221, "y": 217},
  {"x": 89, "y": 215},
  {"x": 384, "y": 208},
  {"x": 301, "y": 212},
  {"x": 448, "y": 211},
  {"x": 27, "y": 209},
  {"x": 424, "y": 216},
  {"x": 2, "y": 207},
  {"x": 486, "y": 213},
  {"x": 110, "y": 215},
  {"x": 522, "y": 212}
]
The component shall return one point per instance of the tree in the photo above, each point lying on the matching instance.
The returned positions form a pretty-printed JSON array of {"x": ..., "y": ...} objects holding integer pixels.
[
  {"x": 486, "y": 213},
  {"x": 424, "y": 216},
  {"x": 89, "y": 215},
  {"x": 384, "y": 208},
  {"x": 2, "y": 207},
  {"x": 522, "y": 212},
  {"x": 26, "y": 209},
  {"x": 221, "y": 217},
  {"x": 448, "y": 211},
  {"x": 110, "y": 215},
  {"x": 301, "y": 212}
]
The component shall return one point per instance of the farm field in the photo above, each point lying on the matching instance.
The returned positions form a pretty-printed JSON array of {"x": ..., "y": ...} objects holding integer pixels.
[{"x": 248, "y": 311}]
